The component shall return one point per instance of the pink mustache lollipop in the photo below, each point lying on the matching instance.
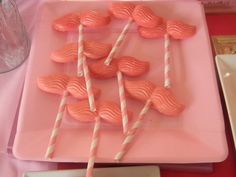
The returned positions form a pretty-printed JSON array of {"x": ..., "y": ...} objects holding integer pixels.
[
  {"x": 132, "y": 67},
  {"x": 140, "y": 14},
  {"x": 92, "y": 49},
  {"x": 174, "y": 29},
  {"x": 62, "y": 85},
  {"x": 126, "y": 65},
  {"x": 55, "y": 84},
  {"x": 108, "y": 111},
  {"x": 162, "y": 100},
  {"x": 90, "y": 19}
]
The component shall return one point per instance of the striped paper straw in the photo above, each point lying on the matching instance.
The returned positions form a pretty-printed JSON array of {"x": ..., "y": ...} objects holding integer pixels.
[
  {"x": 93, "y": 147},
  {"x": 132, "y": 132},
  {"x": 80, "y": 51},
  {"x": 118, "y": 42},
  {"x": 167, "y": 82},
  {"x": 88, "y": 85},
  {"x": 56, "y": 127},
  {"x": 123, "y": 104}
]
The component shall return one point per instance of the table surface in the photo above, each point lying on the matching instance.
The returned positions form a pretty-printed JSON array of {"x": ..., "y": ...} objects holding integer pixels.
[{"x": 218, "y": 24}]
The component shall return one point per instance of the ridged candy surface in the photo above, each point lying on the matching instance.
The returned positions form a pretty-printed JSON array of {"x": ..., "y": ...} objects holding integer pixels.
[
  {"x": 140, "y": 90},
  {"x": 180, "y": 30},
  {"x": 77, "y": 88},
  {"x": 151, "y": 33},
  {"x": 81, "y": 111},
  {"x": 165, "y": 102},
  {"x": 101, "y": 71},
  {"x": 92, "y": 49},
  {"x": 110, "y": 112},
  {"x": 107, "y": 110},
  {"x": 55, "y": 84},
  {"x": 94, "y": 19},
  {"x": 145, "y": 17},
  {"x": 131, "y": 66},
  {"x": 96, "y": 50},
  {"x": 122, "y": 10}
]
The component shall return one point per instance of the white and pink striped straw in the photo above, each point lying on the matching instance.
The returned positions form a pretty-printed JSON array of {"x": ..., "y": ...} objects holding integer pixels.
[
  {"x": 97, "y": 126},
  {"x": 52, "y": 141},
  {"x": 93, "y": 147},
  {"x": 80, "y": 51},
  {"x": 137, "y": 124},
  {"x": 118, "y": 42},
  {"x": 123, "y": 104},
  {"x": 88, "y": 85},
  {"x": 53, "y": 138},
  {"x": 133, "y": 131},
  {"x": 167, "y": 81}
]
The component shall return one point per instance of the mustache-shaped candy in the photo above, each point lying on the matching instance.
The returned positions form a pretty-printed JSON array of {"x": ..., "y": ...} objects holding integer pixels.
[
  {"x": 180, "y": 30},
  {"x": 92, "y": 49},
  {"x": 145, "y": 17},
  {"x": 55, "y": 84},
  {"x": 162, "y": 98},
  {"x": 107, "y": 110}
]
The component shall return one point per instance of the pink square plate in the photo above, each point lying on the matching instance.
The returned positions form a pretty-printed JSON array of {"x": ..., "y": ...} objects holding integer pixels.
[{"x": 196, "y": 136}]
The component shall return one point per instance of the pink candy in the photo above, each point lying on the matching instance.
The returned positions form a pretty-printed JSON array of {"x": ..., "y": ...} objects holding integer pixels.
[
  {"x": 77, "y": 88},
  {"x": 180, "y": 30},
  {"x": 92, "y": 49},
  {"x": 107, "y": 110},
  {"x": 156, "y": 32},
  {"x": 81, "y": 111},
  {"x": 140, "y": 90},
  {"x": 129, "y": 66},
  {"x": 101, "y": 71},
  {"x": 145, "y": 17},
  {"x": 122, "y": 10},
  {"x": 55, "y": 84},
  {"x": 94, "y": 19},
  {"x": 162, "y": 98}
]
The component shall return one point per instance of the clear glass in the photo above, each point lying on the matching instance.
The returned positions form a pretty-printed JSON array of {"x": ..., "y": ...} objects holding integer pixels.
[{"x": 14, "y": 41}]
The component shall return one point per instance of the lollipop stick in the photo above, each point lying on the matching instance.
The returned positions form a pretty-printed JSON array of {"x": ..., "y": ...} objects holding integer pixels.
[
  {"x": 118, "y": 42},
  {"x": 132, "y": 132},
  {"x": 123, "y": 104},
  {"x": 93, "y": 147},
  {"x": 167, "y": 82},
  {"x": 56, "y": 127},
  {"x": 80, "y": 51},
  {"x": 88, "y": 86}
]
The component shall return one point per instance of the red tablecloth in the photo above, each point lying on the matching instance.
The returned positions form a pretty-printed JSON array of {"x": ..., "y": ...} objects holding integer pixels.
[{"x": 219, "y": 24}]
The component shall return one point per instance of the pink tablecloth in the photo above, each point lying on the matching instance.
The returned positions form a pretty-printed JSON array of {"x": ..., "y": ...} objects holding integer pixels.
[{"x": 10, "y": 93}]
